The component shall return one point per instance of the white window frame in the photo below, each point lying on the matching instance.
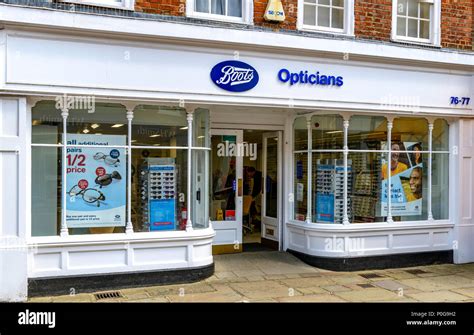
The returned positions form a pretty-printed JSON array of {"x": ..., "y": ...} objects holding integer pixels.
[
  {"x": 247, "y": 13},
  {"x": 435, "y": 25},
  {"x": 348, "y": 20},
  {"x": 124, "y": 4}
]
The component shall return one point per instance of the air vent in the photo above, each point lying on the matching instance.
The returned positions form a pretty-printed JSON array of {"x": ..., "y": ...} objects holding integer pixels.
[
  {"x": 416, "y": 272},
  {"x": 108, "y": 295},
  {"x": 366, "y": 285},
  {"x": 370, "y": 275}
]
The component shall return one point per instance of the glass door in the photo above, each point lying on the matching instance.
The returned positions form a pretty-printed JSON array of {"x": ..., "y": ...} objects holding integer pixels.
[
  {"x": 226, "y": 190},
  {"x": 271, "y": 206}
]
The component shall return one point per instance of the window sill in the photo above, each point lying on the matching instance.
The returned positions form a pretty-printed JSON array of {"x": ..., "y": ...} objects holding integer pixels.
[
  {"x": 131, "y": 7},
  {"x": 219, "y": 18},
  {"x": 375, "y": 226},
  {"x": 325, "y": 31},
  {"x": 414, "y": 42},
  {"x": 52, "y": 241}
]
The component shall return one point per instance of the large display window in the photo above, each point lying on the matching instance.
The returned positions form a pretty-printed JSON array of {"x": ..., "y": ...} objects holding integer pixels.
[
  {"x": 109, "y": 170},
  {"x": 343, "y": 175}
]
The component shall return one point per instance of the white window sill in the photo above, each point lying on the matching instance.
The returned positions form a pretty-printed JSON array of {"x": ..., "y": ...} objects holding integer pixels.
[
  {"x": 325, "y": 31},
  {"x": 218, "y": 18},
  {"x": 414, "y": 42},
  {"x": 99, "y": 4}
]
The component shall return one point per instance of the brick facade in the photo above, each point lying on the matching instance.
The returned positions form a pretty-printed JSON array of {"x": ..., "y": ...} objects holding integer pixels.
[
  {"x": 373, "y": 18},
  {"x": 457, "y": 24}
]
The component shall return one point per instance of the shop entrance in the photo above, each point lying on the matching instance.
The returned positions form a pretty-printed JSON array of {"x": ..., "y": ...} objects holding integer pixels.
[{"x": 245, "y": 197}]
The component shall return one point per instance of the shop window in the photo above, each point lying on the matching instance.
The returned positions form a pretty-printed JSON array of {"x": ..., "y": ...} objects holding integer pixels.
[
  {"x": 98, "y": 195},
  {"x": 417, "y": 170},
  {"x": 222, "y": 10},
  {"x": 118, "y": 4},
  {"x": 326, "y": 15},
  {"x": 416, "y": 21}
]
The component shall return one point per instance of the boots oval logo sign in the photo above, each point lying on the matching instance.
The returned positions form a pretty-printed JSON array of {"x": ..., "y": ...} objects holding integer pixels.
[{"x": 234, "y": 76}]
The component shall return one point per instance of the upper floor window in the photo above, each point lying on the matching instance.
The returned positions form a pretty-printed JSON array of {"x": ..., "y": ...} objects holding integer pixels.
[
  {"x": 120, "y": 4},
  {"x": 326, "y": 15},
  {"x": 416, "y": 21},
  {"x": 223, "y": 10}
]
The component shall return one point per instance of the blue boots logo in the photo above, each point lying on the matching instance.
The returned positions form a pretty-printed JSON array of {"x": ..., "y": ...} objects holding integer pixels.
[{"x": 234, "y": 76}]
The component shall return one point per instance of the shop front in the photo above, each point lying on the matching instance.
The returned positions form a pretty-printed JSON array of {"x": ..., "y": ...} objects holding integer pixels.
[{"x": 138, "y": 159}]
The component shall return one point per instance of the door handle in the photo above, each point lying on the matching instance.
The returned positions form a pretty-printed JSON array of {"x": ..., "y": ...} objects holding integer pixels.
[{"x": 198, "y": 195}]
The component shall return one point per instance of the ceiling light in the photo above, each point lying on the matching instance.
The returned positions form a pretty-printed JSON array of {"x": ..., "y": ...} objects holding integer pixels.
[
  {"x": 202, "y": 136},
  {"x": 183, "y": 128},
  {"x": 118, "y": 125},
  {"x": 95, "y": 125},
  {"x": 334, "y": 132},
  {"x": 155, "y": 135},
  {"x": 85, "y": 131}
]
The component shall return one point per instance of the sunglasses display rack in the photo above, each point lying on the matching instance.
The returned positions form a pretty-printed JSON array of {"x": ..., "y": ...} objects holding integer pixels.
[
  {"x": 330, "y": 190},
  {"x": 158, "y": 192},
  {"x": 367, "y": 187}
]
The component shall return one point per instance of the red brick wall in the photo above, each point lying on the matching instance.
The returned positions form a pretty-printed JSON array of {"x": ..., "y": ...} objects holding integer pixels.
[
  {"x": 163, "y": 7},
  {"x": 291, "y": 13},
  {"x": 457, "y": 23},
  {"x": 373, "y": 19}
]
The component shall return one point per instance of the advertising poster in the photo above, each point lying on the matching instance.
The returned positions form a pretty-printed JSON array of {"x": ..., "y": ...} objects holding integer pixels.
[
  {"x": 406, "y": 179},
  {"x": 95, "y": 181}
]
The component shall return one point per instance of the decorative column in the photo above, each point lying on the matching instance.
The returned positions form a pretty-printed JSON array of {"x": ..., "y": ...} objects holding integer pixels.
[
  {"x": 189, "y": 118},
  {"x": 310, "y": 171},
  {"x": 64, "y": 230},
  {"x": 129, "y": 227},
  {"x": 345, "y": 219},
  {"x": 430, "y": 160},
  {"x": 389, "y": 172}
]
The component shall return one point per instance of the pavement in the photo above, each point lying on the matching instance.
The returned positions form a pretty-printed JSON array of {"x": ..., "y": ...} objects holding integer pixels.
[{"x": 280, "y": 277}]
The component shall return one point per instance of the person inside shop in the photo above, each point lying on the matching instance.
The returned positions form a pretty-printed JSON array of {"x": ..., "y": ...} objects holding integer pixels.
[
  {"x": 416, "y": 157},
  {"x": 229, "y": 187},
  {"x": 253, "y": 187},
  {"x": 397, "y": 166},
  {"x": 416, "y": 185}
]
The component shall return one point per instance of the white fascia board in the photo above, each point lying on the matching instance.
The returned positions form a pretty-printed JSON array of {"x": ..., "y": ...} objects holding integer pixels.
[{"x": 187, "y": 32}]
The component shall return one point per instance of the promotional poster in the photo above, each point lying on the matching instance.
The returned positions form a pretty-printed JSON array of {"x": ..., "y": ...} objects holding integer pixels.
[
  {"x": 406, "y": 179},
  {"x": 95, "y": 181}
]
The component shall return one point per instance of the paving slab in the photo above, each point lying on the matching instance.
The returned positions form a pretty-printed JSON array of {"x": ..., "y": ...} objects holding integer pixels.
[
  {"x": 263, "y": 290},
  {"x": 312, "y": 298},
  {"x": 438, "y": 296},
  {"x": 469, "y": 291},
  {"x": 368, "y": 295},
  {"x": 307, "y": 282}
]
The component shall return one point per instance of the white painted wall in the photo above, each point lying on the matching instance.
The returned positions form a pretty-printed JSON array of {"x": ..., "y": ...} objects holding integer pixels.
[{"x": 13, "y": 247}]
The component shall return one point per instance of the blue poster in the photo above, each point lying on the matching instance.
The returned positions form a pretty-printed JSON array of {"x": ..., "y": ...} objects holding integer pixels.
[
  {"x": 325, "y": 207},
  {"x": 95, "y": 181}
]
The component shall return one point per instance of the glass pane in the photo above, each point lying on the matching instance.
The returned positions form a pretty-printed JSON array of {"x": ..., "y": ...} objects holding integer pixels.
[
  {"x": 402, "y": 7},
  {"x": 401, "y": 26},
  {"x": 367, "y": 132},
  {"x": 425, "y": 29},
  {"x": 159, "y": 126},
  {"x": 410, "y": 190},
  {"x": 201, "y": 128},
  {"x": 202, "y": 6},
  {"x": 235, "y": 8},
  {"x": 440, "y": 186},
  {"x": 218, "y": 7},
  {"x": 366, "y": 195},
  {"x": 412, "y": 28},
  {"x": 45, "y": 191},
  {"x": 300, "y": 134},
  {"x": 199, "y": 188},
  {"x": 413, "y": 8},
  {"x": 310, "y": 1},
  {"x": 159, "y": 189},
  {"x": 301, "y": 184},
  {"x": 425, "y": 10},
  {"x": 327, "y": 132},
  {"x": 271, "y": 182},
  {"x": 338, "y": 3},
  {"x": 337, "y": 18},
  {"x": 323, "y": 16},
  {"x": 328, "y": 188},
  {"x": 223, "y": 182},
  {"x": 323, "y": 2},
  {"x": 408, "y": 131},
  {"x": 440, "y": 135},
  {"x": 106, "y": 119},
  {"x": 96, "y": 184},
  {"x": 309, "y": 15},
  {"x": 47, "y": 123}
]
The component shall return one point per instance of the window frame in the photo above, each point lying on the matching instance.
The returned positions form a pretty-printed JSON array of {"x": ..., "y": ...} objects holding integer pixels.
[
  {"x": 348, "y": 21},
  {"x": 435, "y": 25},
  {"x": 124, "y": 4},
  {"x": 347, "y": 222},
  {"x": 247, "y": 13}
]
